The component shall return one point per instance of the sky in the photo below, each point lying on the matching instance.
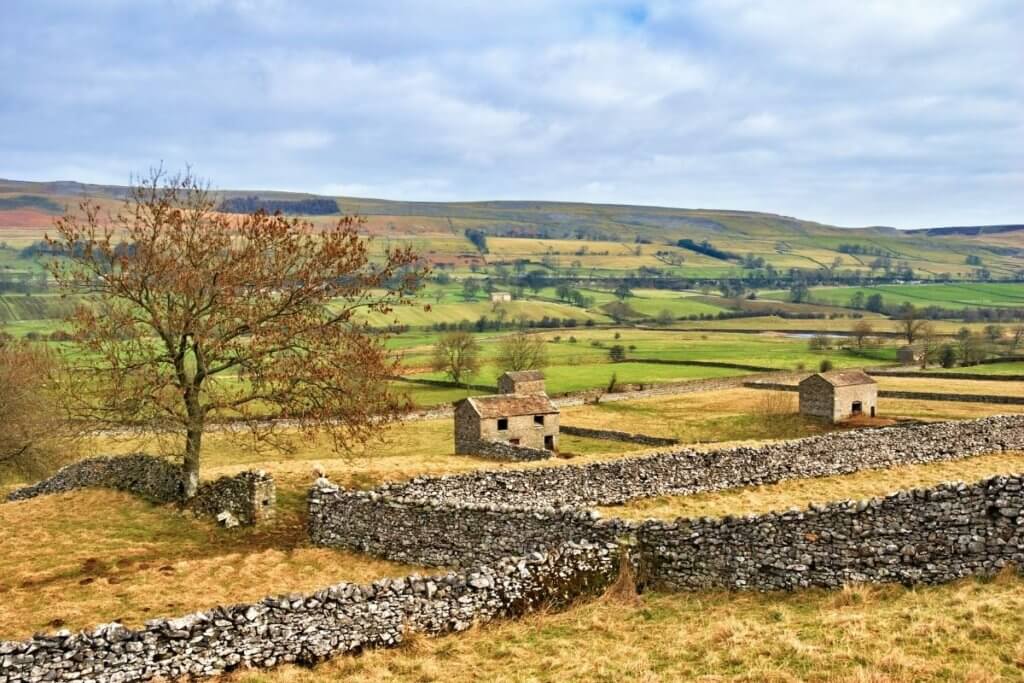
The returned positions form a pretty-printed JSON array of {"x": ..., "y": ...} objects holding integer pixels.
[{"x": 908, "y": 113}]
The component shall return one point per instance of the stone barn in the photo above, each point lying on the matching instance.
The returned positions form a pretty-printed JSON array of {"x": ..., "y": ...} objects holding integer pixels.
[
  {"x": 907, "y": 355},
  {"x": 838, "y": 395},
  {"x": 529, "y": 420},
  {"x": 522, "y": 382},
  {"x": 501, "y": 297}
]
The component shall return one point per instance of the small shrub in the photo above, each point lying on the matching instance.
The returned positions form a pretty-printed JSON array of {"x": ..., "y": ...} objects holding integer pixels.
[
  {"x": 825, "y": 365},
  {"x": 572, "y": 340},
  {"x": 618, "y": 335},
  {"x": 947, "y": 356},
  {"x": 617, "y": 353},
  {"x": 557, "y": 338}
]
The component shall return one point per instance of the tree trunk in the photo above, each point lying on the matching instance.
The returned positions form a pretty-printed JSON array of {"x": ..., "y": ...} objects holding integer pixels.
[{"x": 193, "y": 444}]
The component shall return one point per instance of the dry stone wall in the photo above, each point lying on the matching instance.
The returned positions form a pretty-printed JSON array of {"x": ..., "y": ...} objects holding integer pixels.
[
  {"x": 614, "y": 435},
  {"x": 305, "y": 629},
  {"x": 683, "y": 472},
  {"x": 437, "y": 532},
  {"x": 919, "y": 536},
  {"x": 247, "y": 497}
]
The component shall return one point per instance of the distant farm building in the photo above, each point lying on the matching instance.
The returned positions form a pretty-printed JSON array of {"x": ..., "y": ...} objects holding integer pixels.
[
  {"x": 500, "y": 297},
  {"x": 908, "y": 355},
  {"x": 522, "y": 382},
  {"x": 839, "y": 395},
  {"x": 521, "y": 420}
]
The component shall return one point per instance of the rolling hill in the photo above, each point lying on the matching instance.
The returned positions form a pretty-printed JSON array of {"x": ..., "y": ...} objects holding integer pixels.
[{"x": 600, "y": 238}]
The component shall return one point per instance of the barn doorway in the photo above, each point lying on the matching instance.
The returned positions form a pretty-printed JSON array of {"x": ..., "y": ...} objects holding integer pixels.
[
  {"x": 872, "y": 411},
  {"x": 549, "y": 442},
  {"x": 858, "y": 407}
]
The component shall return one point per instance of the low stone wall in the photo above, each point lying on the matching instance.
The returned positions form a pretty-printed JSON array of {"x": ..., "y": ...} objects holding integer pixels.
[
  {"x": 682, "y": 472},
  {"x": 920, "y": 536},
  {"x": 958, "y": 398},
  {"x": 154, "y": 479},
  {"x": 915, "y": 395},
  {"x": 499, "y": 450},
  {"x": 704, "y": 364},
  {"x": 305, "y": 629},
  {"x": 445, "y": 521},
  {"x": 613, "y": 435},
  {"x": 247, "y": 497},
  {"x": 946, "y": 375},
  {"x": 435, "y": 532}
]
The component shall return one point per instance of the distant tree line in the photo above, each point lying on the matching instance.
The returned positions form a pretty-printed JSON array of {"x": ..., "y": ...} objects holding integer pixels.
[
  {"x": 707, "y": 249},
  {"x": 314, "y": 206},
  {"x": 478, "y": 238}
]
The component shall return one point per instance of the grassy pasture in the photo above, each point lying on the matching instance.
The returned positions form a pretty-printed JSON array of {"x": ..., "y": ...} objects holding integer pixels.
[{"x": 951, "y": 296}]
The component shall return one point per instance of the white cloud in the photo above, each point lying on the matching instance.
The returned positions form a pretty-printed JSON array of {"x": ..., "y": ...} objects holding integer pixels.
[{"x": 852, "y": 111}]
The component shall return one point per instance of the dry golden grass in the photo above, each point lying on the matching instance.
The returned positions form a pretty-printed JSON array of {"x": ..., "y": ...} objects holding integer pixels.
[
  {"x": 79, "y": 559},
  {"x": 951, "y": 386},
  {"x": 965, "y": 631},
  {"x": 718, "y": 417},
  {"x": 800, "y": 493}
]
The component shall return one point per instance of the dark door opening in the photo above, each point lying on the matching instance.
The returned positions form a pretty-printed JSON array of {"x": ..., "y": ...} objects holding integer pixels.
[
  {"x": 514, "y": 442},
  {"x": 549, "y": 442},
  {"x": 872, "y": 411},
  {"x": 858, "y": 408}
]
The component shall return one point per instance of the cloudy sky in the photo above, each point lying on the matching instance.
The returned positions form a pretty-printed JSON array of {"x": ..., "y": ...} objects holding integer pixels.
[{"x": 853, "y": 112}]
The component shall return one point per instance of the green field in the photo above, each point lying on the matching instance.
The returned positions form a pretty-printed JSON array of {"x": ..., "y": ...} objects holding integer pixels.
[
  {"x": 952, "y": 296},
  {"x": 585, "y": 363}
]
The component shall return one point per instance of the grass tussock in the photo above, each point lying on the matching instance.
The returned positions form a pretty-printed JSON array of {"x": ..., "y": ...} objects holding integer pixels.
[
  {"x": 964, "y": 631},
  {"x": 800, "y": 493}
]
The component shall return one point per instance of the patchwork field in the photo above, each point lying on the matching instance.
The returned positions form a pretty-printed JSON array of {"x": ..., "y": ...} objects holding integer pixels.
[{"x": 951, "y": 296}]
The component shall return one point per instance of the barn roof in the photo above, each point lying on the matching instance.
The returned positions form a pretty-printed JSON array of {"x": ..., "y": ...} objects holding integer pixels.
[
  {"x": 509, "y": 405},
  {"x": 524, "y": 375},
  {"x": 843, "y": 378}
]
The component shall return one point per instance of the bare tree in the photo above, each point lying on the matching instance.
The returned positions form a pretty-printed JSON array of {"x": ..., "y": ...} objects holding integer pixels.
[
  {"x": 522, "y": 351},
  {"x": 36, "y": 435},
  {"x": 457, "y": 354},
  {"x": 929, "y": 344},
  {"x": 862, "y": 331},
  {"x": 1016, "y": 338},
  {"x": 910, "y": 322},
  {"x": 190, "y": 314}
]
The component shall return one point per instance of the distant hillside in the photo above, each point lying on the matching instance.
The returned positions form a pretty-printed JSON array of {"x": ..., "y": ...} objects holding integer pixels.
[
  {"x": 599, "y": 237},
  {"x": 969, "y": 230}
]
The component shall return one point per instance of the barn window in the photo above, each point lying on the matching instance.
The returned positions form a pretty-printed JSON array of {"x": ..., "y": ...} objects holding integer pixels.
[
  {"x": 502, "y": 423},
  {"x": 538, "y": 420}
]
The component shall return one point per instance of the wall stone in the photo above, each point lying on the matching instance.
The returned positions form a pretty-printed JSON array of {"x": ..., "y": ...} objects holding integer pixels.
[
  {"x": 345, "y": 618},
  {"x": 918, "y": 536},
  {"x": 683, "y": 471},
  {"x": 248, "y": 497},
  {"x": 436, "y": 532},
  {"x": 500, "y": 450},
  {"x": 613, "y": 435}
]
